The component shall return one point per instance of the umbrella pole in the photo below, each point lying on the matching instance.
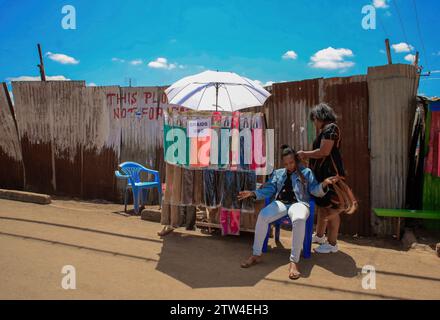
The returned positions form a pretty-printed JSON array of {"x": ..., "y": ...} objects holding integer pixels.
[{"x": 216, "y": 96}]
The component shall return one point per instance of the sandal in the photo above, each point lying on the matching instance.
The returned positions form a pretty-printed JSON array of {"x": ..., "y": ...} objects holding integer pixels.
[
  {"x": 250, "y": 262},
  {"x": 294, "y": 275},
  {"x": 165, "y": 231}
]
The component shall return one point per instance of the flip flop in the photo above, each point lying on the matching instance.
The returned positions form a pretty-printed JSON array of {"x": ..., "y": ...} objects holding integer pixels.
[
  {"x": 246, "y": 264},
  {"x": 165, "y": 232},
  {"x": 294, "y": 275}
]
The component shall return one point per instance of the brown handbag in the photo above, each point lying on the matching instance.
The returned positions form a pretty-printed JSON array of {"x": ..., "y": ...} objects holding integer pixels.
[{"x": 346, "y": 200}]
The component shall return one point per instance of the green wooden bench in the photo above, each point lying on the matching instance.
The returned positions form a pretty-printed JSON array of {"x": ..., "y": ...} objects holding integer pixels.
[{"x": 404, "y": 213}]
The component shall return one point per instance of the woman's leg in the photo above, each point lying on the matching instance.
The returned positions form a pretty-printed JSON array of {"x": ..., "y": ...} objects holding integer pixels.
[
  {"x": 298, "y": 213},
  {"x": 321, "y": 226},
  {"x": 274, "y": 211},
  {"x": 334, "y": 221}
]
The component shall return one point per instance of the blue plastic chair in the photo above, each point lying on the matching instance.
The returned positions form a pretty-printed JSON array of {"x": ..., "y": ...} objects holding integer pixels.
[
  {"x": 307, "y": 246},
  {"x": 131, "y": 171}
]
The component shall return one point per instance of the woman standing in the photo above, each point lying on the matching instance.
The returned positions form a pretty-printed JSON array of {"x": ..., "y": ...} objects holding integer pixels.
[{"x": 326, "y": 161}]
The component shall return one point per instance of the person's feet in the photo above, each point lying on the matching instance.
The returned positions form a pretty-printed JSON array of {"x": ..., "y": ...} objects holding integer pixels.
[
  {"x": 294, "y": 273},
  {"x": 320, "y": 240},
  {"x": 251, "y": 261},
  {"x": 165, "y": 231},
  {"x": 327, "y": 248}
]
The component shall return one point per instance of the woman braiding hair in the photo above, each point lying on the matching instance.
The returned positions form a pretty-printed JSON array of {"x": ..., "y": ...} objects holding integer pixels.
[
  {"x": 325, "y": 160},
  {"x": 289, "y": 189}
]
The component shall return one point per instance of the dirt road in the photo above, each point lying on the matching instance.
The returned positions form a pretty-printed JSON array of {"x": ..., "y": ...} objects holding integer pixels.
[{"x": 121, "y": 257}]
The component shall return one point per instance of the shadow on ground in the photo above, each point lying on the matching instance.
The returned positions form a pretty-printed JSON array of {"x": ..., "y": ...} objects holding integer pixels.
[{"x": 211, "y": 262}]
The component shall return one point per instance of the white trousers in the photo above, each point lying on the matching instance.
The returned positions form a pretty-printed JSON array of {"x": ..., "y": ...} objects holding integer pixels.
[{"x": 298, "y": 213}]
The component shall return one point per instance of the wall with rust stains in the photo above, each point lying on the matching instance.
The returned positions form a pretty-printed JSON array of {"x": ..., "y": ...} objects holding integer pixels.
[{"x": 11, "y": 159}]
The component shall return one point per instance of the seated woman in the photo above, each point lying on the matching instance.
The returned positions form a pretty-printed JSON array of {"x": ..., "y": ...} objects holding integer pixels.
[{"x": 290, "y": 188}]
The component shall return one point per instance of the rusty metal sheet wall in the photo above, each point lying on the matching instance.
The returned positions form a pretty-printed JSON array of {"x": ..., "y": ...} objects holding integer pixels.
[
  {"x": 101, "y": 143},
  {"x": 11, "y": 160},
  {"x": 70, "y": 146},
  {"x": 291, "y": 102},
  {"x": 34, "y": 107},
  {"x": 392, "y": 94},
  {"x": 349, "y": 98}
]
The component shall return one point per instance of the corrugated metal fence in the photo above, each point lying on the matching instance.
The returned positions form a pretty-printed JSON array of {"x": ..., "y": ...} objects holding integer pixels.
[{"x": 71, "y": 137}]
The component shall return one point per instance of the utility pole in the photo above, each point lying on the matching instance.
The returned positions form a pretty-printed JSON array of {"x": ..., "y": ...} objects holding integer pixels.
[
  {"x": 387, "y": 45},
  {"x": 416, "y": 60},
  {"x": 41, "y": 65}
]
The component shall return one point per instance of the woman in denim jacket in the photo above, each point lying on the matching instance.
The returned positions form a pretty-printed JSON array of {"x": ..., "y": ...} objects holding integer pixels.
[{"x": 290, "y": 189}]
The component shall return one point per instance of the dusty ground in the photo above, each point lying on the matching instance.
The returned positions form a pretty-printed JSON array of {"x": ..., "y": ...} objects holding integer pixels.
[{"x": 116, "y": 256}]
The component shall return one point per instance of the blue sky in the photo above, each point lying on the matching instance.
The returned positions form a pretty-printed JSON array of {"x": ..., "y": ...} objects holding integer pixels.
[{"x": 159, "y": 42}]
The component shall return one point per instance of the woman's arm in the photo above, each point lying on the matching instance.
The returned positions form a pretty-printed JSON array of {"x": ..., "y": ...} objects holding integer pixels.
[
  {"x": 268, "y": 190},
  {"x": 323, "y": 151},
  {"x": 319, "y": 189}
]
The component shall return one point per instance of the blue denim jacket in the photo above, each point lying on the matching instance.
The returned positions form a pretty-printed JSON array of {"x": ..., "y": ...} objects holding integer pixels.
[{"x": 276, "y": 182}]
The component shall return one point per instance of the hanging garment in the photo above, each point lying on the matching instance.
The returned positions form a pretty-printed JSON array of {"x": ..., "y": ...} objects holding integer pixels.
[
  {"x": 248, "y": 181},
  {"x": 187, "y": 186},
  {"x": 171, "y": 215},
  {"x": 176, "y": 196},
  {"x": 432, "y": 160},
  {"x": 169, "y": 177},
  {"x": 230, "y": 221},
  {"x": 225, "y": 142},
  {"x": 216, "y": 125},
  {"x": 235, "y": 141},
  {"x": 213, "y": 190},
  {"x": 231, "y": 186},
  {"x": 198, "y": 190},
  {"x": 414, "y": 184},
  {"x": 245, "y": 140},
  {"x": 258, "y": 142}
]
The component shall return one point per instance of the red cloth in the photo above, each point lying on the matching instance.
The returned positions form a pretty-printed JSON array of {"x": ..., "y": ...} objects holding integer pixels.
[
  {"x": 230, "y": 221},
  {"x": 432, "y": 164}
]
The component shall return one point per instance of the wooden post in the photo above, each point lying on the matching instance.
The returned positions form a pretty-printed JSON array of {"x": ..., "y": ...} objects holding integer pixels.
[
  {"x": 416, "y": 60},
  {"x": 41, "y": 65},
  {"x": 387, "y": 45}
]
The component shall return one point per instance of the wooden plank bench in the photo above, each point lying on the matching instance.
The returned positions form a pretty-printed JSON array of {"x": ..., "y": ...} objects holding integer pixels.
[{"x": 405, "y": 213}]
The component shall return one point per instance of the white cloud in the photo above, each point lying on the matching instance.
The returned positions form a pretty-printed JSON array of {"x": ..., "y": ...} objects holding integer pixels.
[
  {"x": 267, "y": 84},
  {"x": 290, "y": 55},
  {"x": 410, "y": 58},
  {"x": 331, "y": 59},
  {"x": 91, "y": 84},
  {"x": 118, "y": 60},
  {"x": 380, "y": 4},
  {"x": 61, "y": 58},
  {"x": 37, "y": 78},
  {"x": 162, "y": 63},
  {"x": 402, "y": 47},
  {"x": 136, "y": 62}
]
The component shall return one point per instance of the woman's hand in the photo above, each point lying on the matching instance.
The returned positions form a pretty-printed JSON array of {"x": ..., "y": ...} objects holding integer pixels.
[
  {"x": 244, "y": 195},
  {"x": 301, "y": 155},
  {"x": 330, "y": 180}
]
